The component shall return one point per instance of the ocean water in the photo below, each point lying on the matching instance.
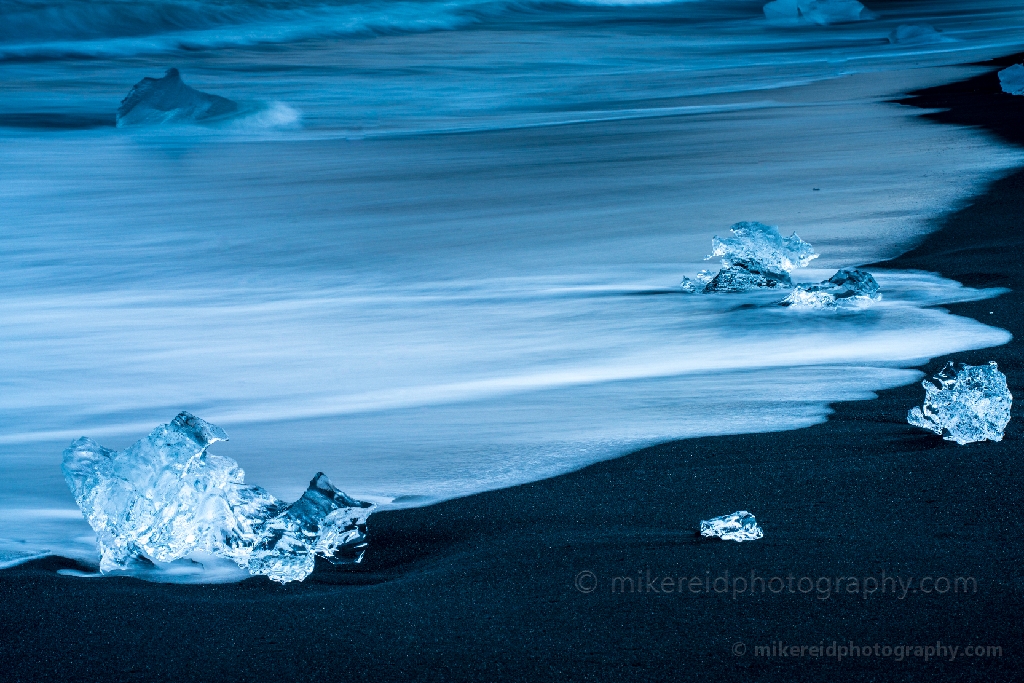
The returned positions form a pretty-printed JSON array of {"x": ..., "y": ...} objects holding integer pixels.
[{"x": 438, "y": 251}]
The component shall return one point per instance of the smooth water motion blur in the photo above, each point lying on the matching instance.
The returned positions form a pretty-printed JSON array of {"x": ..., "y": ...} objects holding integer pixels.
[{"x": 437, "y": 248}]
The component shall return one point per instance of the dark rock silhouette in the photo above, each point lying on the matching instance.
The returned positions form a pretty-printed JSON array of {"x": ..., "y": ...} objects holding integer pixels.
[{"x": 168, "y": 99}]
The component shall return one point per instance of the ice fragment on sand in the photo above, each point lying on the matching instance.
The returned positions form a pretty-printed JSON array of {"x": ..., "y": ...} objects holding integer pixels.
[
  {"x": 848, "y": 287},
  {"x": 739, "y": 526},
  {"x": 1012, "y": 79},
  {"x": 822, "y": 12},
  {"x": 755, "y": 256},
  {"x": 322, "y": 521},
  {"x": 165, "y": 497},
  {"x": 168, "y": 99},
  {"x": 965, "y": 403},
  {"x": 908, "y": 34}
]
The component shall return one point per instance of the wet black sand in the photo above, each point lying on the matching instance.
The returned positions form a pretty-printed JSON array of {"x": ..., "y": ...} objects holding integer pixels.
[{"x": 488, "y": 587}]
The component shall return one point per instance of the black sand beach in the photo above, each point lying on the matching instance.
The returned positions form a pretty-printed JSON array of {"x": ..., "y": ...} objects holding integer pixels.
[{"x": 519, "y": 584}]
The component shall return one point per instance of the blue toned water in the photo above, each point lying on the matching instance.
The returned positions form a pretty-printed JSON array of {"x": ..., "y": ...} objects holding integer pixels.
[{"x": 436, "y": 252}]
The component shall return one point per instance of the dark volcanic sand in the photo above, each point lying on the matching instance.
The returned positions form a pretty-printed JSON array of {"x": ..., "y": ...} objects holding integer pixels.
[{"x": 484, "y": 588}]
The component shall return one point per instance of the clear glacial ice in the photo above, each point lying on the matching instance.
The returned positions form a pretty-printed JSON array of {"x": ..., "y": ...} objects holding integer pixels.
[
  {"x": 755, "y": 257},
  {"x": 739, "y": 526},
  {"x": 759, "y": 243},
  {"x": 848, "y": 287},
  {"x": 1011, "y": 79},
  {"x": 166, "y": 497},
  {"x": 965, "y": 403},
  {"x": 822, "y": 12},
  {"x": 168, "y": 99}
]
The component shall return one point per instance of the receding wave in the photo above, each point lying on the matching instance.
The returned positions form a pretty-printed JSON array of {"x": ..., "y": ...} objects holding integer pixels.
[{"x": 112, "y": 28}]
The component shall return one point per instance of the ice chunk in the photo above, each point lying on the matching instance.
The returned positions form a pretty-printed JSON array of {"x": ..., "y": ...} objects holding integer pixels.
[
  {"x": 822, "y": 12},
  {"x": 848, "y": 286},
  {"x": 739, "y": 526},
  {"x": 743, "y": 276},
  {"x": 965, "y": 403},
  {"x": 168, "y": 99},
  {"x": 322, "y": 521},
  {"x": 757, "y": 242},
  {"x": 166, "y": 497},
  {"x": 696, "y": 285},
  {"x": 755, "y": 257},
  {"x": 1012, "y": 79},
  {"x": 924, "y": 34}
]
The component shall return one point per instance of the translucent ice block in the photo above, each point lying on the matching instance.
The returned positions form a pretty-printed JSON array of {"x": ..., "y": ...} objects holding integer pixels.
[
  {"x": 756, "y": 256},
  {"x": 165, "y": 497},
  {"x": 739, "y": 526},
  {"x": 848, "y": 287},
  {"x": 965, "y": 403}
]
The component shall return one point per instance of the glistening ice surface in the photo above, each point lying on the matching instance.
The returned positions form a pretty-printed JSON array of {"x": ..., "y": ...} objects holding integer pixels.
[
  {"x": 438, "y": 250},
  {"x": 739, "y": 526},
  {"x": 965, "y": 403},
  {"x": 166, "y": 498}
]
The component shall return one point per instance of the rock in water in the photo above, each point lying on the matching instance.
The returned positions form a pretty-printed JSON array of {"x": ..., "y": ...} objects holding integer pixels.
[
  {"x": 739, "y": 526},
  {"x": 1011, "y": 79},
  {"x": 165, "y": 497},
  {"x": 965, "y": 403},
  {"x": 755, "y": 257},
  {"x": 848, "y": 286},
  {"x": 168, "y": 99}
]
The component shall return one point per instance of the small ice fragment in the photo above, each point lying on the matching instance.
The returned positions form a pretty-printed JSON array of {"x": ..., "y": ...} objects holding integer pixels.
[
  {"x": 168, "y": 99},
  {"x": 697, "y": 284},
  {"x": 822, "y": 12},
  {"x": 965, "y": 403},
  {"x": 739, "y": 526},
  {"x": 924, "y": 34},
  {"x": 1012, "y": 79},
  {"x": 848, "y": 286},
  {"x": 166, "y": 497}
]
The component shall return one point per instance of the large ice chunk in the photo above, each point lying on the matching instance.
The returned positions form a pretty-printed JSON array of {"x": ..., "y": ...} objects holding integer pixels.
[
  {"x": 822, "y": 12},
  {"x": 168, "y": 99},
  {"x": 965, "y": 403},
  {"x": 762, "y": 243},
  {"x": 755, "y": 256},
  {"x": 1011, "y": 79},
  {"x": 739, "y": 526},
  {"x": 166, "y": 497},
  {"x": 848, "y": 287}
]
